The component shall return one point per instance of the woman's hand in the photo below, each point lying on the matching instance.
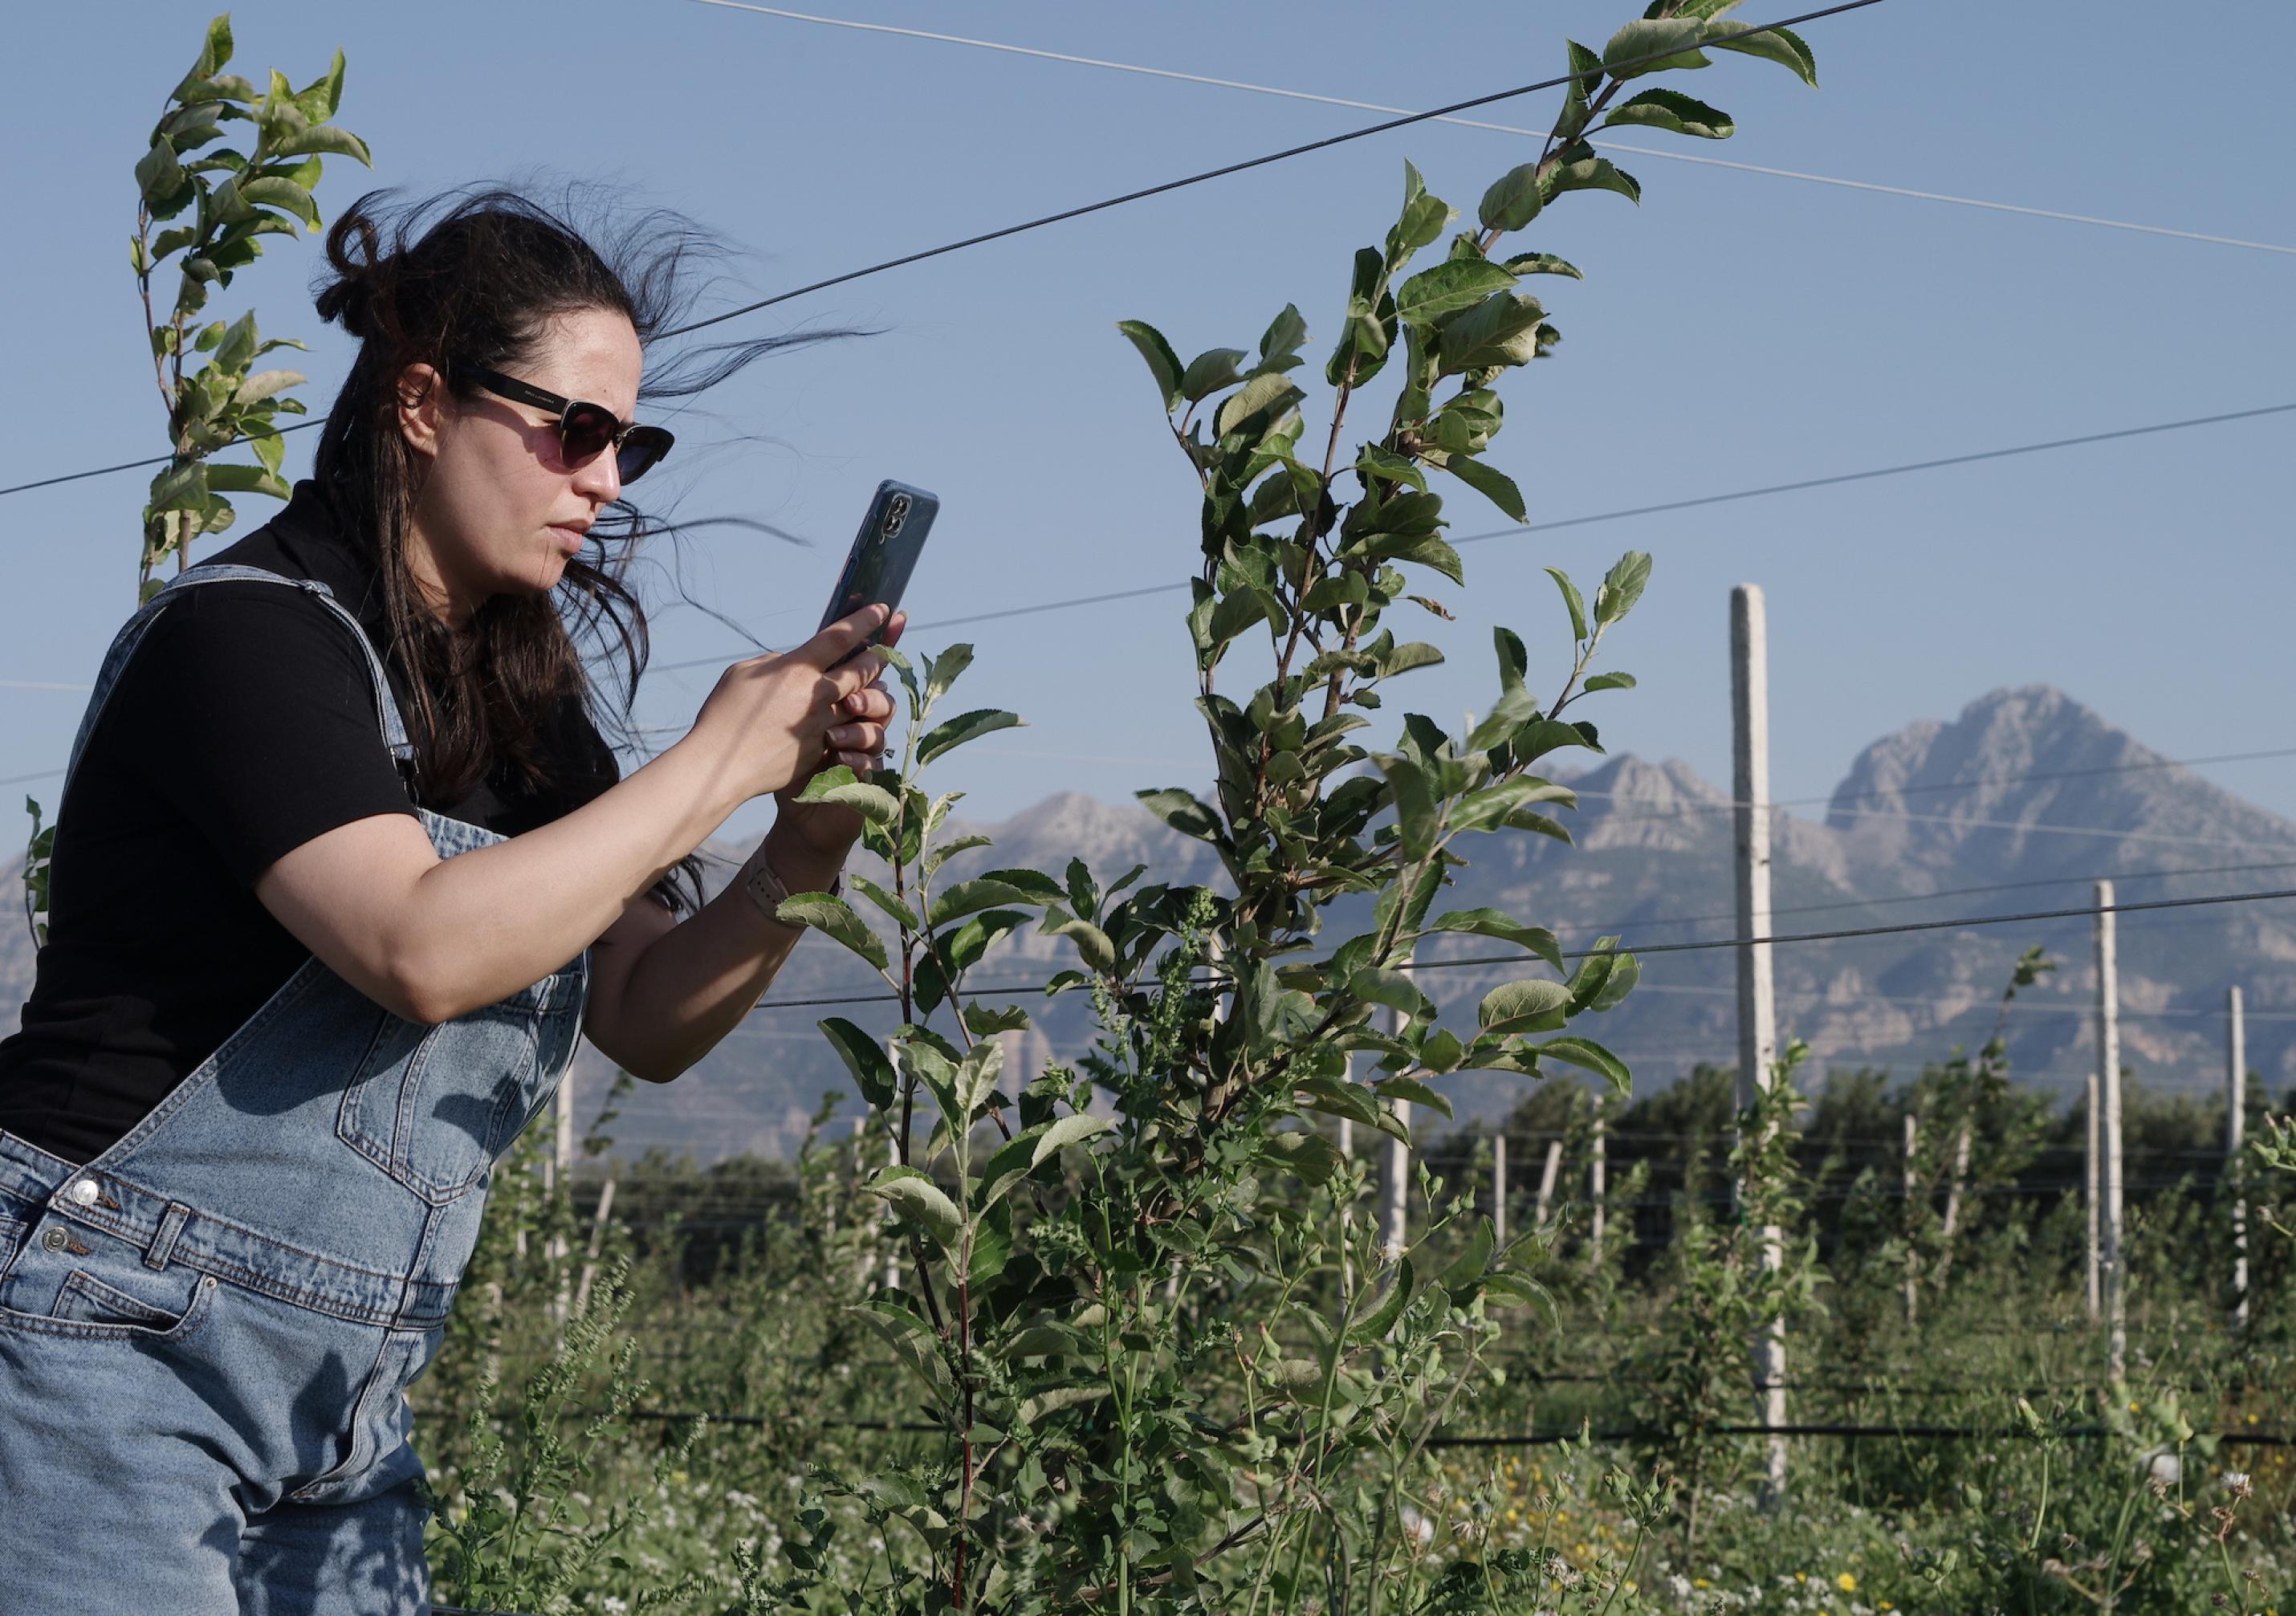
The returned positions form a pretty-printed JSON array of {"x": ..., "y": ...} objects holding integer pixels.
[
  {"x": 857, "y": 741},
  {"x": 773, "y": 721}
]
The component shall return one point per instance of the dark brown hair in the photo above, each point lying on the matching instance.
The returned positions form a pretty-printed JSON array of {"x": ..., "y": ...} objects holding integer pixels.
[{"x": 473, "y": 276}]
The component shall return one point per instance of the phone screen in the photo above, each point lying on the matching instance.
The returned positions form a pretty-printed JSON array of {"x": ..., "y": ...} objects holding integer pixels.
[{"x": 885, "y": 551}]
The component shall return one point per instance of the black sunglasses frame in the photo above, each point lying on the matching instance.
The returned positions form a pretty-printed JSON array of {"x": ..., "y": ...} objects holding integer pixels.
[{"x": 637, "y": 450}]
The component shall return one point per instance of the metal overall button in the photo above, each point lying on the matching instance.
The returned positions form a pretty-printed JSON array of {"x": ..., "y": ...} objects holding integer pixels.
[
  {"x": 84, "y": 1191},
  {"x": 55, "y": 1240}
]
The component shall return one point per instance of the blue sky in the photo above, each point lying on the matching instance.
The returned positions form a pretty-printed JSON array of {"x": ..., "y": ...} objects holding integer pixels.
[{"x": 1733, "y": 330}]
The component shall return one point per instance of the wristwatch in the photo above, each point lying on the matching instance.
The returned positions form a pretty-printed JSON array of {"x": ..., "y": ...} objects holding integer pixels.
[{"x": 768, "y": 890}]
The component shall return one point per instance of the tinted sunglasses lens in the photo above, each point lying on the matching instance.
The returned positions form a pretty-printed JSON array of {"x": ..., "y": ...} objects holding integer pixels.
[
  {"x": 584, "y": 429},
  {"x": 642, "y": 451}
]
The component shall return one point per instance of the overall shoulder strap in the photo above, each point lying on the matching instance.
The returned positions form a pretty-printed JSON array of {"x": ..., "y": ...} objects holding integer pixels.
[{"x": 131, "y": 634}]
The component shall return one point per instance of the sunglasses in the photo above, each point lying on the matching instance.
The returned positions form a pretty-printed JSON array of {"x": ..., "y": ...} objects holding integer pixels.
[{"x": 584, "y": 429}]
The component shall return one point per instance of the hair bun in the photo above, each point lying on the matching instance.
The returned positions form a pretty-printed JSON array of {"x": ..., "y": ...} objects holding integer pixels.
[{"x": 349, "y": 301}]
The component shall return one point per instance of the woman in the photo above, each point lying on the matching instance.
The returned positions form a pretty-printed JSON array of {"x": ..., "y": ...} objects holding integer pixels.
[{"x": 342, "y": 869}]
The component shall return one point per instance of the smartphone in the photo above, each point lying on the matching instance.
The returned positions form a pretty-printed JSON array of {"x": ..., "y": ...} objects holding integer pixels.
[{"x": 884, "y": 552}]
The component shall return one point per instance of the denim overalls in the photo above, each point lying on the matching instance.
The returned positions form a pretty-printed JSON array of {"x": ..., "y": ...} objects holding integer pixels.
[{"x": 206, "y": 1333}]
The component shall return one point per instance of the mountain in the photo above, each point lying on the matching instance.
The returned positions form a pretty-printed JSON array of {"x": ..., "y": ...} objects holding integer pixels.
[{"x": 2026, "y": 795}]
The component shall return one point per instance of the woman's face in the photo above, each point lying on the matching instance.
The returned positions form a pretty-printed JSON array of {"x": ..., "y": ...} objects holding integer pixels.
[{"x": 501, "y": 512}]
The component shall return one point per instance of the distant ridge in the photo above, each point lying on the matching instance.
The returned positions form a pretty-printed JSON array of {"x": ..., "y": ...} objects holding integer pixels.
[{"x": 2024, "y": 785}]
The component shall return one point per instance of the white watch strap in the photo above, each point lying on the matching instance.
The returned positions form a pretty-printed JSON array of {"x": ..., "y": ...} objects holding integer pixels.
[{"x": 768, "y": 890}]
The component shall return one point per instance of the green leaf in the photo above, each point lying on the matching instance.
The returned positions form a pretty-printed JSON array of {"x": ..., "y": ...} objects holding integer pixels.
[
  {"x": 896, "y": 908},
  {"x": 324, "y": 139},
  {"x": 976, "y": 1077},
  {"x": 1308, "y": 1154},
  {"x": 864, "y": 1057},
  {"x": 838, "y": 786},
  {"x": 986, "y": 1020},
  {"x": 920, "y": 1199},
  {"x": 958, "y": 951},
  {"x": 1092, "y": 944},
  {"x": 1513, "y": 200},
  {"x": 1371, "y": 461},
  {"x": 948, "y": 736},
  {"x": 158, "y": 174},
  {"x": 1010, "y": 1164},
  {"x": 1416, "y": 1092},
  {"x": 318, "y": 100},
  {"x": 1414, "y": 804},
  {"x": 1622, "y": 586},
  {"x": 183, "y": 487},
  {"x": 1210, "y": 370},
  {"x": 1181, "y": 810},
  {"x": 1654, "y": 44},
  {"x": 1279, "y": 344},
  {"x": 1464, "y": 1275},
  {"x": 1374, "y": 1328},
  {"x": 1492, "y": 483},
  {"x": 1378, "y": 985},
  {"x": 971, "y": 897},
  {"x": 1423, "y": 219},
  {"x": 272, "y": 191},
  {"x": 1779, "y": 44},
  {"x": 1570, "y": 598},
  {"x": 1432, "y": 293},
  {"x": 1074, "y": 1130},
  {"x": 1594, "y": 1057},
  {"x": 1269, "y": 390},
  {"x": 263, "y": 383},
  {"x": 1163, "y": 364},
  {"x": 1611, "y": 681},
  {"x": 1491, "y": 923},
  {"x": 226, "y": 478},
  {"x": 1515, "y": 708},
  {"x": 1502, "y": 329},
  {"x": 1626, "y": 971},
  {"x": 833, "y": 917},
  {"x": 943, "y": 671},
  {"x": 1370, "y": 328},
  {"x": 1585, "y": 72},
  {"x": 1056, "y": 1398},
  {"x": 1543, "y": 263},
  {"x": 1590, "y": 173},
  {"x": 912, "y": 1342},
  {"x": 1532, "y": 1005},
  {"x": 1425, "y": 549},
  {"x": 1334, "y": 1098},
  {"x": 1674, "y": 112}
]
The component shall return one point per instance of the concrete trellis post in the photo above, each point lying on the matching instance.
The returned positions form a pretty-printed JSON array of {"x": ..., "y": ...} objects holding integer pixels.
[
  {"x": 1498, "y": 1186},
  {"x": 1912, "y": 1185},
  {"x": 1395, "y": 1216},
  {"x": 1758, "y": 1022},
  {"x": 1546, "y": 1179},
  {"x": 2114, "y": 1261},
  {"x": 2092, "y": 1179},
  {"x": 2235, "y": 1129},
  {"x": 1598, "y": 1186}
]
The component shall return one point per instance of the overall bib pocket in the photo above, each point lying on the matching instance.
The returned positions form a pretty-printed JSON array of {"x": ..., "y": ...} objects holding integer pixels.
[{"x": 437, "y": 1123}]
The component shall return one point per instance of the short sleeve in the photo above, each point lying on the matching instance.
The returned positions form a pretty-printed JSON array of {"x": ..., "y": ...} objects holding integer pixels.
[{"x": 250, "y": 710}]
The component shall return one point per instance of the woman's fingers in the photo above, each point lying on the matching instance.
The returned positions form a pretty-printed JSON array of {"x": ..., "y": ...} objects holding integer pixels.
[
  {"x": 871, "y": 705},
  {"x": 868, "y": 738}
]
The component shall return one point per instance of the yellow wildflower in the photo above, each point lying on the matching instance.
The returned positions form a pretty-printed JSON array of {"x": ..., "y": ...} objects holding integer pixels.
[{"x": 1847, "y": 1583}]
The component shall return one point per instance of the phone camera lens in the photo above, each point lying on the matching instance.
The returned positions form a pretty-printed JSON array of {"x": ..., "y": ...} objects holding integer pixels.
[{"x": 897, "y": 513}]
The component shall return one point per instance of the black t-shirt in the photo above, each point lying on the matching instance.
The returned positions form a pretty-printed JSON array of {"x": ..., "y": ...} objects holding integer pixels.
[{"x": 243, "y": 726}]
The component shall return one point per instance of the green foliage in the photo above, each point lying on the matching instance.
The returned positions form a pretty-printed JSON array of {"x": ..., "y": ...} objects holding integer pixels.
[
  {"x": 37, "y": 852},
  {"x": 1170, "y": 1369},
  {"x": 231, "y": 199}
]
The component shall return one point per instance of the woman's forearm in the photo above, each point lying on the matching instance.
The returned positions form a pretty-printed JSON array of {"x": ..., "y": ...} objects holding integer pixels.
[
  {"x": 694, "y": 983},
  {"x": 483, "y": 924}
]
